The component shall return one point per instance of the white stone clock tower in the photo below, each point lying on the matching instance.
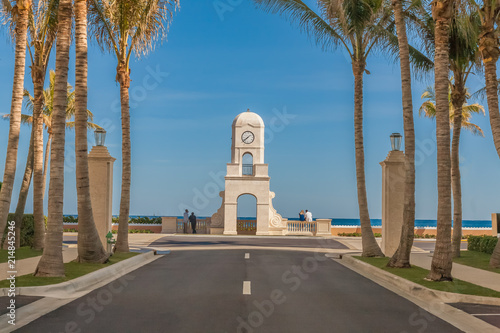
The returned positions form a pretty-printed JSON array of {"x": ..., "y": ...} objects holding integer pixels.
[{"x": 247, "y": 174}]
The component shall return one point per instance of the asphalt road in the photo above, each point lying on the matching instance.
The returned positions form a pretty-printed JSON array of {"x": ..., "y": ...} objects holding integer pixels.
[
  {"x": 201, "y": 240},
  {"x": 204, "y": 291}
]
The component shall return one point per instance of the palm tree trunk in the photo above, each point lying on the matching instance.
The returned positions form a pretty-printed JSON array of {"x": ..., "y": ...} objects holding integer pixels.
[
  {"x": 442, "y": 260},
  {"x": 370, "y": 246},
  {"x": 46, "y": 162},
  {"x": 90, "y": 248},
  {"x": 458, "y": 100},
  {"x": 488, "y": 45},
  {"x": 401, "y": 257},
  {"x": 123, "y": 77},
  {"x": 15, "y": 112},
  {"x": 38, "y": 171},
  {"x": 23, "y": 193},
  {"x": 51, "y": 263}
]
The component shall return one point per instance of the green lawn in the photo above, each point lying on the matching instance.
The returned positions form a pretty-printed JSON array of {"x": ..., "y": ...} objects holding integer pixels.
[
  {"x": 73, "y": 270},
  {"x": 417, "y": 275},
  {"x": 21, "y": 253},
  {"x": 476, "y": 259}
]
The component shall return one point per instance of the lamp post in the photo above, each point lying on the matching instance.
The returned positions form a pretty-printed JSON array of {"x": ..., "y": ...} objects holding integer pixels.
[
  {"x": 396, "y": 141},
  {"x": 101, "y": 185},
  {"x": 100, "y": 137}
]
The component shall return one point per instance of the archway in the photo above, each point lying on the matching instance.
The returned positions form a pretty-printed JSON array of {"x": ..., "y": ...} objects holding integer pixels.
[
  {"x": 247, "y": 165},
  {"x": 246, "y": 215}
]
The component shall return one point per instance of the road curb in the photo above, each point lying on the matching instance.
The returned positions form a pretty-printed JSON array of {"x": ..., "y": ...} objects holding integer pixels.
[
  {"x": 432, "y": 301},
  {"x": 417, "y": 289},
  {"x": 81, "y": 285}
]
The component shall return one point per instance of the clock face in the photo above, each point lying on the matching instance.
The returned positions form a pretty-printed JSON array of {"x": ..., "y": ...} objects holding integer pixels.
[{"x": 247, "y": 137}]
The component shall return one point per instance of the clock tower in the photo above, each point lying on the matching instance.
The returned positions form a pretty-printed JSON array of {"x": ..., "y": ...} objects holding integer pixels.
[{"x": 247, "y": 174}]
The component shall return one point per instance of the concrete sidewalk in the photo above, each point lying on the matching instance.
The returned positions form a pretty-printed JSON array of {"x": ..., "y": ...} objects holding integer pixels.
[
  {"x": 423, "y": 259},
  {"x": 70, "y": 253}
]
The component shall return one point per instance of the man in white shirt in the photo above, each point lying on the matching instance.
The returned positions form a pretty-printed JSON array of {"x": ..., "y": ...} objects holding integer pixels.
[
  {"x": 186, "y": 217},
  {"x": 309, "y": 216}
]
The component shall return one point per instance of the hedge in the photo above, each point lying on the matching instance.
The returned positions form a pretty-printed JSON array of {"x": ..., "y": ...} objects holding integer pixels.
[
  {"x": 484, "y": 244},
  {"x": 70, "y": 219},
  {"x": 135, "y": 220},
  {"x": 27, "y": 229}
]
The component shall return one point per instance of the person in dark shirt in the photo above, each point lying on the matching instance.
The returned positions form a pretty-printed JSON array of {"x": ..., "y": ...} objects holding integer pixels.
[{"x": 192, "y": 219}]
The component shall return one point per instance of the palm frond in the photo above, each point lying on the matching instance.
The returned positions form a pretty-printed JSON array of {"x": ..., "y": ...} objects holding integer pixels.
[
  {"x": 8, "y": 16},
  {"x": 473, "y": 128},
  {"x": 307, "y": 20},
  {"x": 28, "y": 100}
]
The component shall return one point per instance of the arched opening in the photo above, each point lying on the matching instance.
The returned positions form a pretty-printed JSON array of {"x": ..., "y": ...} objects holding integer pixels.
[
  {"x": 247, "y": 215},
  {"x": 247, "y": 164}
]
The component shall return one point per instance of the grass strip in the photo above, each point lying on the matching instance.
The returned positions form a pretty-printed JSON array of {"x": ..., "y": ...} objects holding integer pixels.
[
  {"x": 72, "y": 269},
  {"x": 21, "y": 253},
  {"x": 417, "y": 274},
  {"x": 476, "y": 259}
]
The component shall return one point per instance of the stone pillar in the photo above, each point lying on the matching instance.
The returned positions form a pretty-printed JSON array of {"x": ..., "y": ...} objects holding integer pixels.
[
  {"x": 495, "y": 224},
  {"x": 230, "y": 218},
  {"x": 323, "y": 227},
  {"x": 168, "y": 224},
  {"x": 393, "y": 184},
  {"x": 101, "y": 189},
  {"x": 263, "y": 218}
]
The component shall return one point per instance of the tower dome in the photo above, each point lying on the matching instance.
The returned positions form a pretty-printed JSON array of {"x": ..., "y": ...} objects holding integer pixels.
[{"x": 248, "y": 118}]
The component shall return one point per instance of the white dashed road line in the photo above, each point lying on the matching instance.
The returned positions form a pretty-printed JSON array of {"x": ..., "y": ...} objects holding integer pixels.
[
  {"x": 247, "y": 290},
  {"x": 247, "y": 255},
  {"x": 486, "y": 314}
]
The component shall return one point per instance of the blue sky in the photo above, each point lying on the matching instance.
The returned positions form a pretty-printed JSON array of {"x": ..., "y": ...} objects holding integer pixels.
[{"x": 215, "y": 65}]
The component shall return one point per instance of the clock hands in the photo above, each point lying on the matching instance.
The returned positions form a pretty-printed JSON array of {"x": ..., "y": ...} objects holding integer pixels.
[{"x": 247, "y": 137}]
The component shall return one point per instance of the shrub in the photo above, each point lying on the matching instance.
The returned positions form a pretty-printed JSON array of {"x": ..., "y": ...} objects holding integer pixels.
[
  {"x": 350, "y": 234},
  {"x": 27, "y": 229},
  {"x": 425, "y": 236},
  {"x": 70, "y": 219},
  {"x": 136, "y": 231},
  {"x": 145, "y": 220},
  {"x": 484, "y": 243}
]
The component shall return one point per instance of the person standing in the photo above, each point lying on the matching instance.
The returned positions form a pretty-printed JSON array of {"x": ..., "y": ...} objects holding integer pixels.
[
  {"x": 186, "y": 219},
  {"x": 192, "y": 219},
  {"x": 309, "y": 216}
]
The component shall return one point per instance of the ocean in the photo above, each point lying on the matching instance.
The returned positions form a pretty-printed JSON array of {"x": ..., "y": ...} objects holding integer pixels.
[{"x": 374, "y": 222}]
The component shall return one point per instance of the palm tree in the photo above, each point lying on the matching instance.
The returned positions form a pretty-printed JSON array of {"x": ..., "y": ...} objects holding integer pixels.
[
  {"x": 401, "y": 257},
  {"x": 464, "y": 59},
  {"x": 51, "y": 262},
  {"x": 47, "y": 108},
  {"x": 20, "y": 12},
  {"x": 90, "y": 248},
  {"x": 428, "y": 109},
  {"x": 490, "y": 51},
  {"x": 123, "y": 27},
  {"x": 42, "y": 32},
  {"x": 359, "y": 26},
  {"x": 442, "y": 12},
  {"x": 462, "y": 112}
]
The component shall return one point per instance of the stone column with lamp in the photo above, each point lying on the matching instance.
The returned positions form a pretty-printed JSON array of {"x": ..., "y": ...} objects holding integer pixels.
[
  {"x": 101, "y": 185},
  {"x": 393, "y": 186}
]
